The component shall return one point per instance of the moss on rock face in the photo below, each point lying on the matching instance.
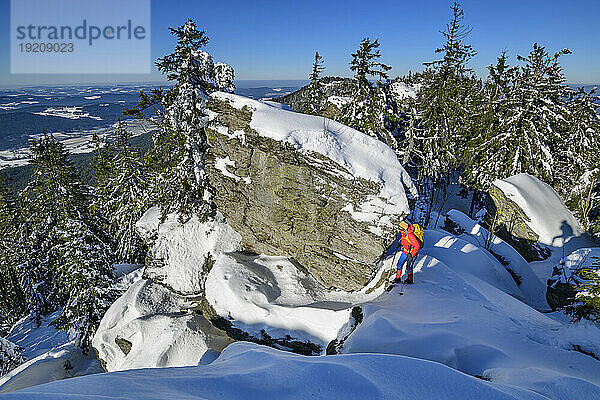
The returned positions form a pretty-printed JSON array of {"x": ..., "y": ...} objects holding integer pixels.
[
  {"x": 511, "y": 216},
  {"x": 285, "y": 202},
  {"x": 512, "y": 226}
]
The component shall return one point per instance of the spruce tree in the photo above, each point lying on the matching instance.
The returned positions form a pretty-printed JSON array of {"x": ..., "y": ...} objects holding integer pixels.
[
  {"x": 578, "y": 165},
  {"x": 122, "y": 193},
  {"x": 69, "y": 266},
  {"x": 53, "y": 194},
  {"x": 586, "y": 303},
  {"x": 10, "y": 356},
  {"x": 315, "y": 95},
  {"x": 482, "y": 162},
  {"x": 83, "y": 279},
  {"x": 445, "y": 102},
  {"x": 177, "y": 158},
  {"x": 12, "y": 296},
  {"x": 371, "y": 108},
  {"x": 527, "y": 120}
]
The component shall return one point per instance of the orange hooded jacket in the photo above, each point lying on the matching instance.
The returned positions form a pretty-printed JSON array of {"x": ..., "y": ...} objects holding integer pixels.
[{"x": 410, "y": 243}]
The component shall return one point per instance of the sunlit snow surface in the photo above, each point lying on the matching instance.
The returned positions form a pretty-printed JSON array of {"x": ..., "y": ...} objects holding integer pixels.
[{"x": 461, "y": 319}]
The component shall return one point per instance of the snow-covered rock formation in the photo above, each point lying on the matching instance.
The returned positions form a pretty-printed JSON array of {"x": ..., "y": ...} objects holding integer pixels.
[
  {"x": 146, "y": 327},
  {"x": 534, "y": 217},
  {"x": 548, "y": 216},
  {"x": 296, "y": 258},
  {"x": 182, "y": 253},
  {"x": 305, "y": 187}
]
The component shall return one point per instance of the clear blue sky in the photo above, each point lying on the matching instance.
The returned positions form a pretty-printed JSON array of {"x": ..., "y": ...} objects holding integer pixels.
[{"x": 277, "y": 39}]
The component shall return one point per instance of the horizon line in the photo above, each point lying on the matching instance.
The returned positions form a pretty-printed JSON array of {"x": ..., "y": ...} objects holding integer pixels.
[{"x": 165, "y": 82}]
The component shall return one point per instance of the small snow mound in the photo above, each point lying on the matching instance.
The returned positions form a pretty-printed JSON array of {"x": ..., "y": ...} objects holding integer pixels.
[
  {"x": 465, "y": 258},
  {"x": 49, "y": 367},
  {"x": 145, "y": 328},
  {"x": 47, "y": 351}
]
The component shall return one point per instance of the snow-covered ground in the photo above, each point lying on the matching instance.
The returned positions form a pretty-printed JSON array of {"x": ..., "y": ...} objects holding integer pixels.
[
  {"x": 532, "y": 289},
  {"x": 459, "y": 332},
  {"x": 51, "y": 354},
  {"x": 403, "y": 90},
  {"x": 251, "y": 372},
  {"x": 47, "y": 352},
  {"x": 457, "y": 316}
]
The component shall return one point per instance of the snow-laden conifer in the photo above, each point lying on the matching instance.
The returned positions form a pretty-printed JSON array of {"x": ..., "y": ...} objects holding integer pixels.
[
  {"x": 445, "y": 101},
  {"x": 69, "y": 262},
  {"x": 10, "y": 356},
  {"x": 527, "y": 120},
  {"x": 578, "y": 163},
  {"x": 371, "y": 108},
  {"x": 12, "y": 297},
  {"x": 177, "y": 158},
  {"x": 122, "y": 192},
  {"x": 315, "y": 96}
]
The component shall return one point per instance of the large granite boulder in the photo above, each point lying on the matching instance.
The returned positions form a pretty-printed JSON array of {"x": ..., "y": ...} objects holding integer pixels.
[{"x": 306, "y": 187}]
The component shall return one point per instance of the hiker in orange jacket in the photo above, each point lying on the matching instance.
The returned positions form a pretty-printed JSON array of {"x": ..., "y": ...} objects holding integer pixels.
[{"x": 410, "y": 247}]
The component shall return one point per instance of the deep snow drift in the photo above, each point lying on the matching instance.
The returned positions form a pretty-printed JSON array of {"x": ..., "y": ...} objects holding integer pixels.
[{"x": 251, "y": 372}]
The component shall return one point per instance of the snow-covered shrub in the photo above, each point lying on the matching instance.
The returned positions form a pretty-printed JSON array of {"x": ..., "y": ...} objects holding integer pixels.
[
  {"x": 10, "y": 356},
  {"x": 587, "y": 295}
]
